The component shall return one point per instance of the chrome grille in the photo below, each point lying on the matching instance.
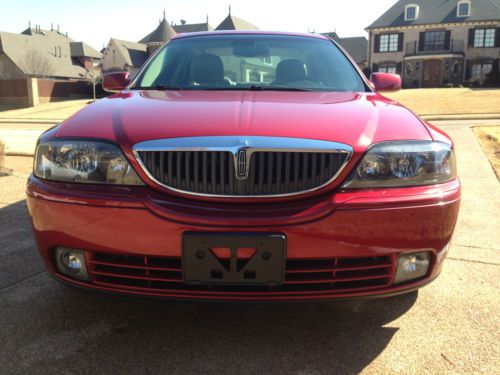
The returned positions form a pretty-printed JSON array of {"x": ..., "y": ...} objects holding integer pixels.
[
  {"x": 242, "y": 170},
  {"x": 212, "y": 172}
]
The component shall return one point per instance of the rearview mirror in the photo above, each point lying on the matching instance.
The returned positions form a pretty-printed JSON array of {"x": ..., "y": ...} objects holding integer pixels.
[
  {"x": 386, "y": 82},
  {"x": 116, "y": 82}
]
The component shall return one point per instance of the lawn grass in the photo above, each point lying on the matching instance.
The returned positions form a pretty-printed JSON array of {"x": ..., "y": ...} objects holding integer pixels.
[
  {"x": 489, "y": 138},
  {"x": 454, "y": 101}
]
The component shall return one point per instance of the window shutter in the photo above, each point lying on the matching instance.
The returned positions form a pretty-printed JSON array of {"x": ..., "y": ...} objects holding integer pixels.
[
  {"x": 471, "y": 37},
  {"x": 421, "y": 41},
  {"x": 497, "y": 37},
  {"x": 399, "y": 68},
  {"x": 401, "y": 38},
  {"x": 376, "y": 46},
  {"x": 375, "y": 68},
  {"x": 495, "y": 72},
  {"x": 467, "y": 70},
  {"x": 447, "y": 39}
]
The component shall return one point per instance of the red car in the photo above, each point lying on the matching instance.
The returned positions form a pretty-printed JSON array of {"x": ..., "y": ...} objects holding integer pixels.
[{"x": 245, "y": 166}]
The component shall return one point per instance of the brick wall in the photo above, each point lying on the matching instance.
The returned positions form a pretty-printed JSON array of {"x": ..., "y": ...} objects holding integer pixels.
[
  {"x": 16, "y": 91},
  {"x": 50, "y": 90},
  {"x": 13, "y": 91}
]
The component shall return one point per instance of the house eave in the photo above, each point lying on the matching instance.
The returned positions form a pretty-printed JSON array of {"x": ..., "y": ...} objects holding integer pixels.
[{"x": 420, "y": 26}]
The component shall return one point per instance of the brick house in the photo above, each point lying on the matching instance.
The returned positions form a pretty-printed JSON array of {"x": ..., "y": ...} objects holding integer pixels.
[
  {"x": 41, "y": 53},
  {"x": 435, "y": 43},
  {"x": 129, "y": 56}
]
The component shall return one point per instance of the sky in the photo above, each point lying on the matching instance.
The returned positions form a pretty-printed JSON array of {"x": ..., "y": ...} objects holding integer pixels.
[{"x": 95, "y": 22}]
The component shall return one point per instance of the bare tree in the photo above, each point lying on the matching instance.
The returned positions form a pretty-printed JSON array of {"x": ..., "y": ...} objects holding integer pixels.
[
  {"x": 3, "y": 171},
  {"x": 36, "y": 64},
  {"x": 93, "y": 76}
]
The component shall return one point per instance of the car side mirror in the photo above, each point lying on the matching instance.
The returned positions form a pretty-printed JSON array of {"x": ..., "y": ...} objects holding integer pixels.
[
  {"x": 116, "y": 82},
  {"x": 386, "y": 82}
]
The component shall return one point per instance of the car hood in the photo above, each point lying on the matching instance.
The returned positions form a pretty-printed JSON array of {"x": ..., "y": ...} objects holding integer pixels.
[{"x": 351, "y": 118}]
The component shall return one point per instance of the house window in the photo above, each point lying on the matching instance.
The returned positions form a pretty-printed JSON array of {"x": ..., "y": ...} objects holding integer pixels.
[
  {"x": 480, "y": 70},
  {"x": 463, "y": 8},
  {"x": 389, "y": 43},
  {"x": 434, "y": 40},
  {"x": 267, "y": 60},
  {"x": 484, "y": 38},
  {"x": 411, "y": 12},
  {"x": 387, "y": 68}
]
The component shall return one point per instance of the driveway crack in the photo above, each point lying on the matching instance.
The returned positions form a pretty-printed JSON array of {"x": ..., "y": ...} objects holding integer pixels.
[
  {"x": 9, "y": 286},
  {"x": 474, "y": 261}
]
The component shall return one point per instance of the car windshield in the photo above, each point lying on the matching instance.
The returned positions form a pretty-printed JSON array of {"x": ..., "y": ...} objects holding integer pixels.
[{"x": 250, "y": 62}]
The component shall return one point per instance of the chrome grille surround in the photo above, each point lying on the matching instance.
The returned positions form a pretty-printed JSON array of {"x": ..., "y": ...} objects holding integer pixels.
[{"x": 242, "y": 148}]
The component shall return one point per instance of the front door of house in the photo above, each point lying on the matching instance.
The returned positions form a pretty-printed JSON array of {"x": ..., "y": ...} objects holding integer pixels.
[{"x": 432, "y": 73}]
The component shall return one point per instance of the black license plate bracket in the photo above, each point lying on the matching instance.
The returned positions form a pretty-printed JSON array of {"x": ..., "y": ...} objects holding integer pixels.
[{"x": 233, "y": 258}]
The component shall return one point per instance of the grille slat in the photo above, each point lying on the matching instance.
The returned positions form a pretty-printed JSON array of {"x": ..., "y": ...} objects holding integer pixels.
[
  {"x": 302, "y": 276},
  {"x": 196, "y": 171},
  {"x": 278, "y": 172},
  {"x": 270, "y": 172},
  {"x": 213, "y": 183},
  {"x": 205, "y": 171},
  {"x": 222, "y": 169}
]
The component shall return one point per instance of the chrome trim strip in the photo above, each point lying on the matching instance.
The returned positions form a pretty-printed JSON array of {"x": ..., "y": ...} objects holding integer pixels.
[{"x": 249, "y": 144}]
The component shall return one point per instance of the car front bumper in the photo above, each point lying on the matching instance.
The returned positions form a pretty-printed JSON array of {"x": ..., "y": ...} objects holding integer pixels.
[{"x": 342, "y": 245}]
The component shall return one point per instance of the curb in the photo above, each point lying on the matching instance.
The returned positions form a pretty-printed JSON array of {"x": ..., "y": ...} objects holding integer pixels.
[{"x": 461, "y": 117}]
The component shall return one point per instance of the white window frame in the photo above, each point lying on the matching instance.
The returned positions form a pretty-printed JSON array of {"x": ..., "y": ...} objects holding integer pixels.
[
  {"x": 417, "y": 9},
  {"x": 388, "y": 68},
  {"x": 468, "y": 2},
  {"x": 484, "y": 38},
  {"x": 479, "y": 70},
  {"x": 390, "y": 43}
]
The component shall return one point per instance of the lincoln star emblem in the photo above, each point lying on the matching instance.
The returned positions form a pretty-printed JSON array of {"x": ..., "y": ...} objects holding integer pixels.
[{"x": 241, "y": 164}]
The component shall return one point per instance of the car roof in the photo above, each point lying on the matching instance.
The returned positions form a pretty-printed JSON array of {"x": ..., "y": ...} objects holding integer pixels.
[{"x": 247, "y": 32}]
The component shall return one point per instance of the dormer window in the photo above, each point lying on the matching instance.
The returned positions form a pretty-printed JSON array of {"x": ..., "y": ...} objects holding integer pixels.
[
  {"x": 463, "y": 8},
  {"x": 411, "y": 12}
]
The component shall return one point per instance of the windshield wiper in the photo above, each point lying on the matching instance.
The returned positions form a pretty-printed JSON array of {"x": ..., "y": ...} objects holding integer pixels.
[
  {"x": 158, "y": 87},
  {"x": 253, "y": 88},
  {"x": 276, "y": 88}
]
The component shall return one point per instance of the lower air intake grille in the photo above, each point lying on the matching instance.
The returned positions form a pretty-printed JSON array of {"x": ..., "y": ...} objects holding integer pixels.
[{"x": 160, "y": 275}]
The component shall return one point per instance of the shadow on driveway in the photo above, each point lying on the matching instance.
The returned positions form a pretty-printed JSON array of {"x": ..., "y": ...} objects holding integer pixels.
[{"x": 50, "y": 328}]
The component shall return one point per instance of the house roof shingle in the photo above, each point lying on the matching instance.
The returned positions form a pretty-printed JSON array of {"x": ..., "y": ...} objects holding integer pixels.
[
  {"x": 80, "y": 49},
  {"x": 192, "y": 27},
  {"x": 162, "y": 34},
  {"x": 135, "y": 54},
  {"x": 436, "y": 12},
  {"x": 52, "y": 46},
  {"x": 234, "y": 23},
  {"x": 356, "y": 46}
]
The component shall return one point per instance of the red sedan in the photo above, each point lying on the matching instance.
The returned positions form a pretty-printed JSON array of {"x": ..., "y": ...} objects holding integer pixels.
[{"x": 245, "y": 166}]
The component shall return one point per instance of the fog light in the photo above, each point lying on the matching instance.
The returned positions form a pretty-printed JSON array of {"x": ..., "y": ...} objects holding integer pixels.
[
  {"x": 412, "y": 266},
  {"x": 71, "y": 262}
]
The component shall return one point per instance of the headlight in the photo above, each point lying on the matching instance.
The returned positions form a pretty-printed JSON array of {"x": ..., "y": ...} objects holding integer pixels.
[
  {"x": 408, "y": 163},
  {"x": 84, "y": 162}
]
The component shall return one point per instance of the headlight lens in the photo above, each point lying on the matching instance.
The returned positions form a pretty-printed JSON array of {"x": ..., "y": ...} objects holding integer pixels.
[
  {"x": 409, "y": 163},
  {"x": 84, "y": 162}
]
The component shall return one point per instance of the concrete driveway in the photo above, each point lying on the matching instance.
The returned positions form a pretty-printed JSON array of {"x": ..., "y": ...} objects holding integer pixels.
[{"x": 451, "y": 326}]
